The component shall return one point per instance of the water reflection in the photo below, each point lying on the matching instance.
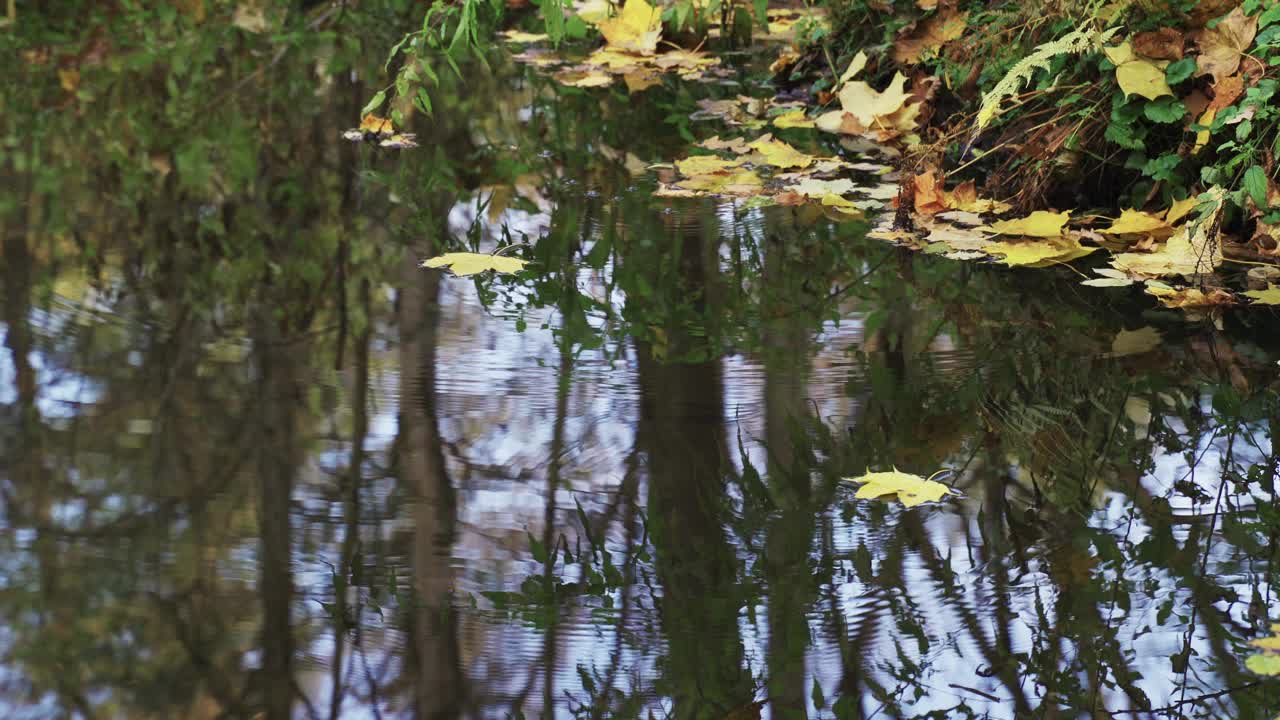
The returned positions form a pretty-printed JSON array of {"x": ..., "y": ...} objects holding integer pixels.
[{"x": 258, "y": 463}]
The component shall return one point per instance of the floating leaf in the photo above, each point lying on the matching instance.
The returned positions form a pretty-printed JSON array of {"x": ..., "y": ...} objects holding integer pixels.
[
  {"x": 1040, "y": 223},
  {"x": 793, "y": 119},
  {"x": 912, "y": 490},
  {"x": 778, "y": 154},
  {"x": 1135, "y": 342},
  {"x": 1137, "y": 222},
  {"x": 519, "y": 37},
  {"x": 1270, "y": 296},
  {"x": 705, "y": 165},
  {"x": 468, "y": 263},
  {"x": 1040, "y": 253}
]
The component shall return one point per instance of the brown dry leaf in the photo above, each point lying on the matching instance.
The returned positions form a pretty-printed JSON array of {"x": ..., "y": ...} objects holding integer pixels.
[
  {"x": 1222, "y": 45},
  {"x": 929, "y": 36},
  {"x": 784, "y": 61},
  {"x": 1226, "y": 91},
  {"x": 1163, "y": 44},
  {"x": 929, "y": 196}
]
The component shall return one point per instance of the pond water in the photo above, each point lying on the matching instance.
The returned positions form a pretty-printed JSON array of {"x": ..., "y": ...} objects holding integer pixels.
[{"x": 258, "y": 463}]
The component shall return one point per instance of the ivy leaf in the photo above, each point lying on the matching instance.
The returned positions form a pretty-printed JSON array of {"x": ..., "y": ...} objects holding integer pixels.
[
  {"x": 1179, "y": 71},
  {"x": 1165, "y": 110},
  {"x": 1255, "y": 183}
]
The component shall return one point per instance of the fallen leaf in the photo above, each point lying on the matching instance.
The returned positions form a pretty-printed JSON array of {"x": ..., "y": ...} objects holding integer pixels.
[
  {"x": 521, "y": 37},
  {"x": 778, "y": 154},
  {"x": 744, "y": 182},
  {"x": 912, "y": 490},
  {"x": 1163, "y": 44},
  {"x": 1222, "y": 46},
  {"x": 856, "y": 65},
  {"x": 793, "y": 119},
  {"x": 815, "y": 188},
  {"x": 1226, "y": 91},
  {"x": 1270, "y": 296},
  {"x": 928, "y": 37},
  {"x": 734, "y": 145},
  {"x": 637, "y": 29},
  {"x": 1143, "y": 77},
  {"x": 1135, "y": 342},
  {"x": 1179, "y": 210},
  {"x": 1039, "y": 253},
  {"x": 705, "y": 165},
  {"x": 462, "y": 264},
  {"x": 1190, "y": 297},
  {"x": 1040, "y": 223},
  {"x": 1137, "y": 222}
]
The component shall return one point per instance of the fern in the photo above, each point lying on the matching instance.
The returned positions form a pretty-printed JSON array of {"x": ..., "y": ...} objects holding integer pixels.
[{"x": 1077, "y": 41}]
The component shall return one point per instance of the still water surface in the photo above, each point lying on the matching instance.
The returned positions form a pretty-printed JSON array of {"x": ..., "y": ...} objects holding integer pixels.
[{"x": 257, "y": 463}]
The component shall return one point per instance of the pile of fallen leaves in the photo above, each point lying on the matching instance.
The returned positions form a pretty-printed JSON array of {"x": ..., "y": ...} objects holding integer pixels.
[{"x": 631, "y": 51}]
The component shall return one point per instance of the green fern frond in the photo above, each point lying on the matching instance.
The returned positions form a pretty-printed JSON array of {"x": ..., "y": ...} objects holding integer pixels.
[{"x": 1077, "y": 41}]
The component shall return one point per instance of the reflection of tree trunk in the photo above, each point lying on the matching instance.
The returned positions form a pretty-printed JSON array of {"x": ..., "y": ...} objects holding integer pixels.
[
  {"x": 786, "y": 556},
  {"x": 439, "y": 685},
  {"x": 280, "y": 455},
  {"x": 681, "y": 431}
]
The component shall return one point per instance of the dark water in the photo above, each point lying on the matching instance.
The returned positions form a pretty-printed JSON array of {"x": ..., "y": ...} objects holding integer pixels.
[{"x": 257, "y": 463}]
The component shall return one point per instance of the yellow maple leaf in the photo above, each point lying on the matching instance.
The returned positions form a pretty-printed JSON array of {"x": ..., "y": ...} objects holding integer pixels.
[
  {"x": 778, "y": 154},
  {"x": 705, "y": 165},
  {"x": 912, "y": 490},
  {"x": 1143, "y": 77},
  {"x": 745, "y": 182},
  {"x": 866, "y": 103},
  {"x": 1039, "y": 253},
  {"x": 1270, "y": 296},
  {"x": 1040, "y": 223},
  {"x": 637, "y": 29},
  {"x": 856, "y": 65},
  {"x": 1179, "y": 209},
  {"x": 469, "y": 263},
  {"x": 815, "y": 188},
  {"x": 1137, "y": 222},
  {"x": 793, "y": 119}
]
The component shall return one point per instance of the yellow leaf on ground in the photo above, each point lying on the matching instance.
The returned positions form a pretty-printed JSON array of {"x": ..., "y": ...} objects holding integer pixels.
[
  {"x": 468, "y": 263},
  {"x": 705, "y": 165},
  {"x": 793, "y": 119},
  {"x": 1040, "y": 223},
  {"x": 1179, "y": 209},
  {"x": 1143, "y": 77},
  {"x": 911, "y": 489},
  {"x": 1137, "y": 222},
  {"x": 778, "y": 154},
  {"x": 929, "y": 36},
  {"x": 637, "y": 29},
  {"x": 1222, "y": 46},
  {"x": 866, "y": 103},
  {"x": 856, "y": 65}
]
